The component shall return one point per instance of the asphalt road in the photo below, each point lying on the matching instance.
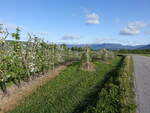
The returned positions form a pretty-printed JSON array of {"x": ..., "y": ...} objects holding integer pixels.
[{"x": 142, "y": 83}]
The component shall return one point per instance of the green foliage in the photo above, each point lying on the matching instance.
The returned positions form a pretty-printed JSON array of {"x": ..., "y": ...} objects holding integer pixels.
[
  {"x": 127, "y": 98},
  {"x": 145, "y": 51},
  {"x": 109, "y": 100},
  {"x": 86, "y": 55},
  {"x": 16, "y": 35},
  {"x": 105, "y": 90},
  {"x": 103, "y": 54},
  {"x": 27, "y": 60},
  {"x": 146, "y": 54},
  {"x": 117, "y": 95},
  {"x": 70, "y": 92}
]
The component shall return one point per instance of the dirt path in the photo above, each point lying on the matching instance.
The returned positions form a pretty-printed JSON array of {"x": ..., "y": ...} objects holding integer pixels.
[
  {"x": 142, "y": 82},
  {"x": 17, "y": 94}
]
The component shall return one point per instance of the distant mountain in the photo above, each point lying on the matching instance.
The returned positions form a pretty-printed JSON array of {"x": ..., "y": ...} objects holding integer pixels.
[
  {"x": 145, "y": 47},
  {"x": 111, "y": 46}
]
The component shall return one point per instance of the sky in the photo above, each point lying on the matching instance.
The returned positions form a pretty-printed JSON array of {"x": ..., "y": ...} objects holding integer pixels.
[{"x": 79, "y": 21}]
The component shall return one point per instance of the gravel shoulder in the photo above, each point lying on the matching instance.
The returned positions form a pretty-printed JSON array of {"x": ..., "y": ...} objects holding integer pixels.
[{"x": 142, "y": 82}]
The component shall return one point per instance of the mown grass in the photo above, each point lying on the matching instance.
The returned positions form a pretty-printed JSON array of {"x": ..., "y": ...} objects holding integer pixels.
[{"x": 73, "y": 91}]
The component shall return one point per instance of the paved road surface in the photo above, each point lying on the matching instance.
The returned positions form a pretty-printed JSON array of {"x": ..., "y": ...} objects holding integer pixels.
[{"x": 142, "y": 82}]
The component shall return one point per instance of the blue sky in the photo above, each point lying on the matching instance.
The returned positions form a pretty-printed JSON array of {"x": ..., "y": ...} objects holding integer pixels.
[{"x": 80, "y": 21}]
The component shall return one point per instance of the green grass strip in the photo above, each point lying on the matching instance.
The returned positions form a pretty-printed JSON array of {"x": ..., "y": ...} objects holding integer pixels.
[
  {"x": 69, "y": 92},
  {"x": 127, "y": 98}
]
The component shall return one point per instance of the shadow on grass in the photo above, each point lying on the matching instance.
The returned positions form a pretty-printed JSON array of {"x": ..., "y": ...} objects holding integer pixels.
[{"x": 92, "y": 98}]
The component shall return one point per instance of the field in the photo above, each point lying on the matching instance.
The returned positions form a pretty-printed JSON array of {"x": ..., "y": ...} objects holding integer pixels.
[
  {"x": 74, "y": 90},
  {"x": 96, "y": 81},
  {"x": 146, "y": 54}
]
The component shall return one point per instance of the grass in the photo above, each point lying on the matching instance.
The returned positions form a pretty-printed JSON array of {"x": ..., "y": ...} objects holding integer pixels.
[
  {"x": 73, "y": 91},
  {"x": 146, "y": 55},
  {"x": 109, "y": 95},
  {"x": 127, "y": 98},
  {"x": 117, "y": 95}
]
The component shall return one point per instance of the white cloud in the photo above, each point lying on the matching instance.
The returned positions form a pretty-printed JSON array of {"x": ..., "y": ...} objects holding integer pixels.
[
  {"x": 129, "y": 31},
  {"x": 70, "y": 37},
  {"x": 92, "y": 18},
  {"x": 103, "y": 40},
  {"x": 10, "y": 26},
  {"x": 43, "y": 33},
  {"x": 39, "y": 33},
  {"x": 133, "y": 28}
]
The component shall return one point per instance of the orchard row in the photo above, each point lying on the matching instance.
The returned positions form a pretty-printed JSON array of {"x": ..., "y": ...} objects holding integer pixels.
[{"x": 26, "y": 60}]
